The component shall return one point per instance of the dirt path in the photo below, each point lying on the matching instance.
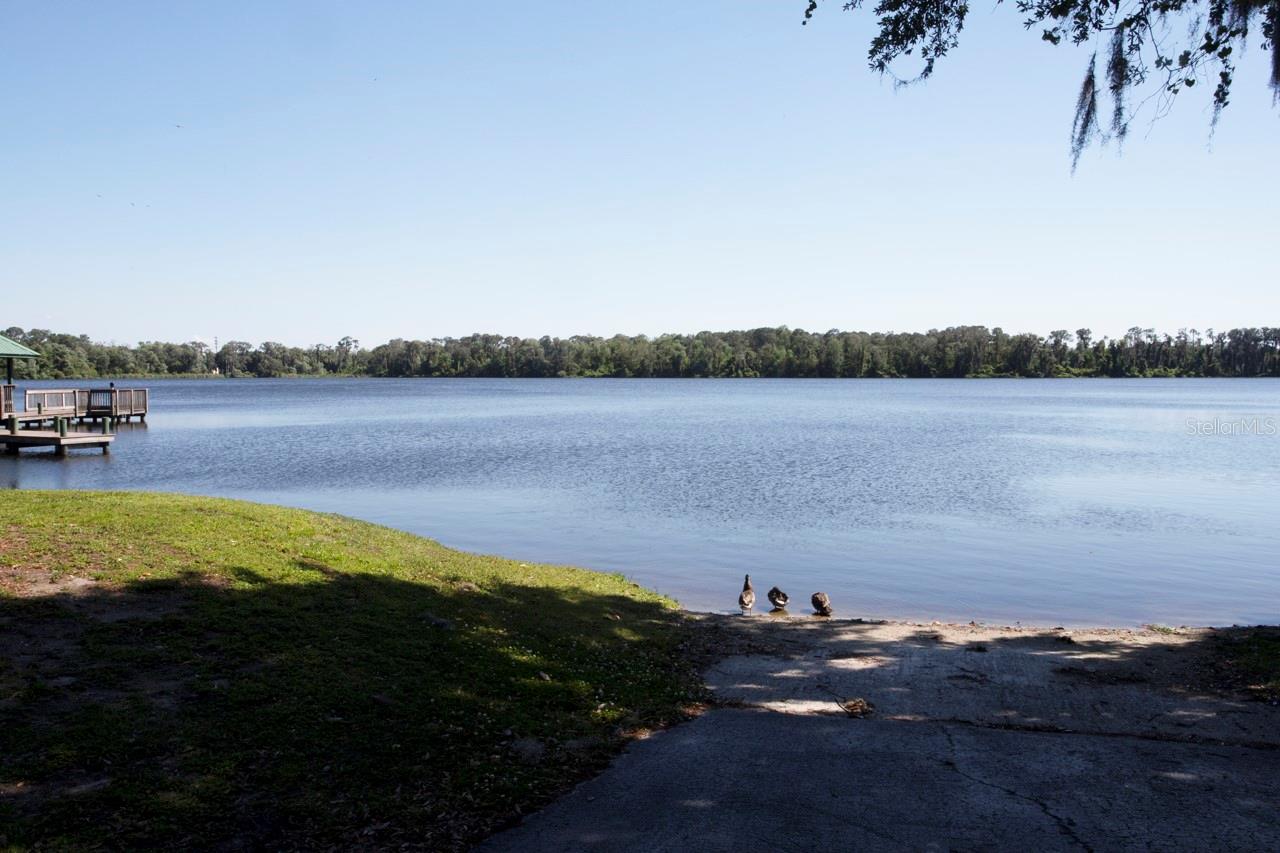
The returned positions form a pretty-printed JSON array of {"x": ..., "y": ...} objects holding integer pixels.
[{"x": 846, "y": 735}]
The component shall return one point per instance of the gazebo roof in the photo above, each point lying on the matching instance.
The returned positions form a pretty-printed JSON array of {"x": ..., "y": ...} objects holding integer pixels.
[{"x": 13, "y": 349}]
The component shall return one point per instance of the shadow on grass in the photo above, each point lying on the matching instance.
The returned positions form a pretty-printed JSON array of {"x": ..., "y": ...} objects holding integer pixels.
[{"x": 349, "y": 710}]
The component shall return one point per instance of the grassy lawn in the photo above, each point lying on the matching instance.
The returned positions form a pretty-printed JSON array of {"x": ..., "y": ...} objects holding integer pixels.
[{"x": 179, "y": 671}]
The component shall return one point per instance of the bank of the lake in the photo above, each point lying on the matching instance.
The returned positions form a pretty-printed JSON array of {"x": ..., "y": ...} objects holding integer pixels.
[
  {"x": 921, "y": 500},
  {"x": 179, "y": 671}
]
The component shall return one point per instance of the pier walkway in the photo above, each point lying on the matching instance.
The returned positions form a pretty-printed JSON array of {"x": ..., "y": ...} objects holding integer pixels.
[
  {"x": 60, "y": 442},
  {"x": 48, "y": 413},
  {"x": 58, "y": 408},
  {"x": 46, "y": 405}
]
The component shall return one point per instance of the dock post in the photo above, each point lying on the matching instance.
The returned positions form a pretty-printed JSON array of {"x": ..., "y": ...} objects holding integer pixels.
[
  {"x": 106, "y": 425},
  {"x": 13, "y": 424},
  {"x": 62, "y": 427}
]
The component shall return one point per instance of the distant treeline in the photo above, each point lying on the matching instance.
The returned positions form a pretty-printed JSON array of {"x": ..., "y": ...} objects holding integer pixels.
[{"x": 955, "y": 352}]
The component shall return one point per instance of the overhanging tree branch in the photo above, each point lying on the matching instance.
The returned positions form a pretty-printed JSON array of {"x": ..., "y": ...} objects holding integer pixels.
[{"x": 1141, "y": 42}]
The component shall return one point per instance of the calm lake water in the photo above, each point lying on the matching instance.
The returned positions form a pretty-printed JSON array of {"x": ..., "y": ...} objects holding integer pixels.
[{"x": 1050, "y": 502}]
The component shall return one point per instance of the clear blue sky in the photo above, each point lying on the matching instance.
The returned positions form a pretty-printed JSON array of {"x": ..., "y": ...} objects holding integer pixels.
[{"x": 302, "y": 171}]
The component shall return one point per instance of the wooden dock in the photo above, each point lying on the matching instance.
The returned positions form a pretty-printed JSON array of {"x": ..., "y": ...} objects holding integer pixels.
[
  {"x": 45, "y": 405},
  {"x": 15, "y": 441},
  {"x": 58, "y": 408}
]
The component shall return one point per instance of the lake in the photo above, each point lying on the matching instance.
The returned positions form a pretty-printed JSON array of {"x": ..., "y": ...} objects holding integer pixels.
[{"x": 1052, "y": 502}]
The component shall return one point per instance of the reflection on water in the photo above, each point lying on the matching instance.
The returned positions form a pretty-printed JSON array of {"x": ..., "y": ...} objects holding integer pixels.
[{"x": 1045, "y": 501}]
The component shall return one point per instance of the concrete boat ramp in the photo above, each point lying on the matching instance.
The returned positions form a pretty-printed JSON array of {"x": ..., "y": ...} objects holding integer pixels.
[{"x": 835, "y": 736}]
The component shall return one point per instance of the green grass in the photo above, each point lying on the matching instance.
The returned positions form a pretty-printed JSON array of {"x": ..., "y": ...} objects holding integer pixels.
[{"x": 248, "y": 675}]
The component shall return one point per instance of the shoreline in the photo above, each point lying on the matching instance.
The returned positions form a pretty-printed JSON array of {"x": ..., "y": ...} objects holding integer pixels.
[
  {"x": 165, "y": 377},
  {"x": 804, "y": 615},
  {"x": 801, "y": 617}
]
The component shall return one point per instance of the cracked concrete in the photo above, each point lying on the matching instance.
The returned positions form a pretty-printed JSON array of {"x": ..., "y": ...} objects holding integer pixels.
[{"x": 980, "y": 739}]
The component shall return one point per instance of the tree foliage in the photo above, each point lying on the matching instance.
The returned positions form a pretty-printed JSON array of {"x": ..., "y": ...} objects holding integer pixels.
[
  {"x": 768, "y": 352},
  {"x": 1153, "y": 49}
]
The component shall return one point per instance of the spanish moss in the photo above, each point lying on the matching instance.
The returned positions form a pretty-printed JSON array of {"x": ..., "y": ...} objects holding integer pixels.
[
  {"x": 1086, "y": 121},
  {"x": 1271, "y": 32},
  {"x": 1117, "y": 82}
]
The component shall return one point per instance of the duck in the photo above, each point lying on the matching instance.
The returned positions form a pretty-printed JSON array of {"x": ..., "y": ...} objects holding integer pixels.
[
  {"x": 778, "y": 598},
  {"x": 821, "y": 604},
  {"x": 747, "y": 599}
]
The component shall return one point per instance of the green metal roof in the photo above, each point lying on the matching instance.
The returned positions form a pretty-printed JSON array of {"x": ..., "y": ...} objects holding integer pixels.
[{"x": 13, "y": 349}]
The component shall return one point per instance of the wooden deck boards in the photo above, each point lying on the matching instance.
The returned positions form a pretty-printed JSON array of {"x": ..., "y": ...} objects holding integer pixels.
[{"x": 13, "y": 441}]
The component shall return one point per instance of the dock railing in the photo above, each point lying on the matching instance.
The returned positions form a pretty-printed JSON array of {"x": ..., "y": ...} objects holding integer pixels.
[
  {"x": 116, "y": 402},
  {"x": 55, "y": 402},
  {"x": 6, "y": 399},
  {"x": 91, "y": 403}
]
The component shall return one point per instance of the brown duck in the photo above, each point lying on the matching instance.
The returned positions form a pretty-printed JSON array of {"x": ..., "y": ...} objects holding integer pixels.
[
  {"x": 821, "y": 604},
  {"x": 747, "y": 599}
]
